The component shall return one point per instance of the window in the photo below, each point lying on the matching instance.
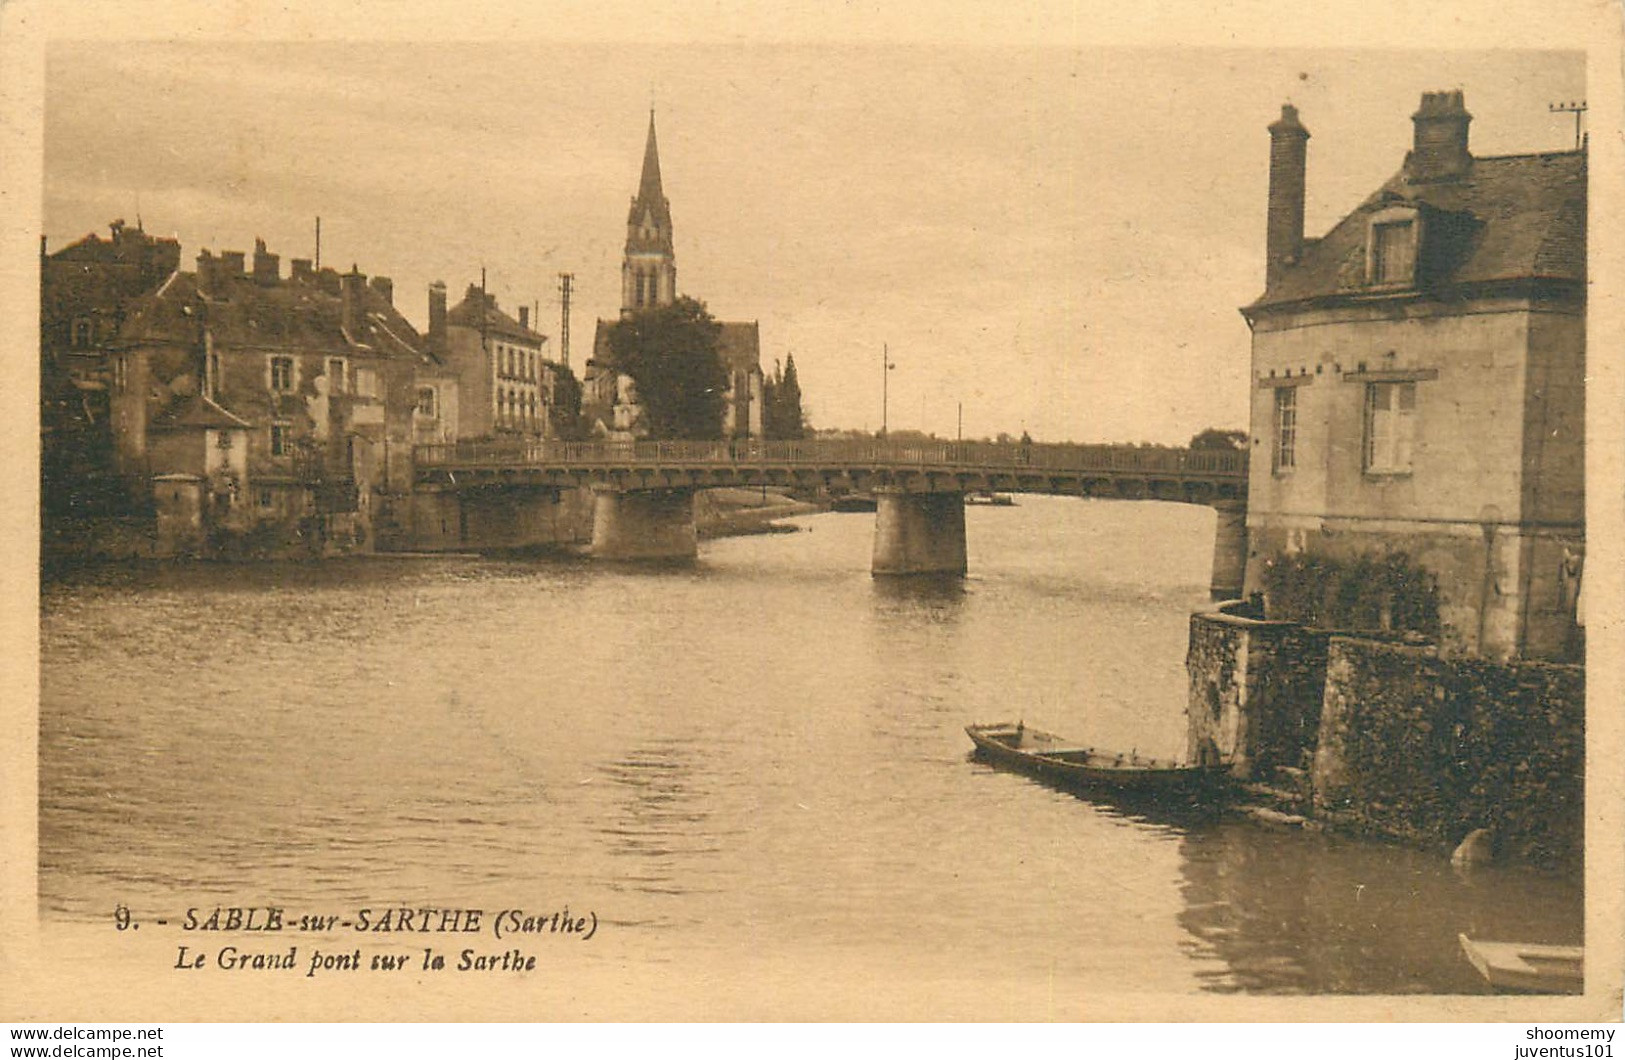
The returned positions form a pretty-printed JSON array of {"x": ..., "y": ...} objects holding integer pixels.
[
  {"x": 426, "y": 402},
  {"x": 335, "y": 375},
  {"x": 1286, "y": 428},
  {"x": 366, "y": 382},
  {"x": 213, "y": 371},
  {"x": 1390, "y": 427},
  {"x": 282, "y": 374},
  {"x": 266, "y": 499},
  {"x": 281, "y": 439},
  {"x": 222, "y": 440},
  {"x": 1393, "y": 252},
  {"x": 121, "y": 373},
  {"x": 82, "y": 332}
]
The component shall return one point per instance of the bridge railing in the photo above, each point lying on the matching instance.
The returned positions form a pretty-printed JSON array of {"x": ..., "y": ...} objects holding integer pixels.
[{"x": 823, "y": 452}]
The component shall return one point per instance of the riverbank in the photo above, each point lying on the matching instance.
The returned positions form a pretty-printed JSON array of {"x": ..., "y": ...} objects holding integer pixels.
[{"x": 718, "y": 513}]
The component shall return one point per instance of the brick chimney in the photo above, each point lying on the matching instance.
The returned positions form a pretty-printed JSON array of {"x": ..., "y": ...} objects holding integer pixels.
[
  {"x": 1439, "y": 147},
  {"x": 205, "y": 271},
  {"x": 327, "y": 280},
  {"x": 524, "y": 317},
  {"x": 1289, "y": 153},
  {"x": 231, "y": 264},
  {"x": 353, "y": 300},
  {"x": 437, "y": 316},
  {"x": 385, "y": 288},
  {"x": 267, "y": 266},
  {"x": 301, "y": 270}
]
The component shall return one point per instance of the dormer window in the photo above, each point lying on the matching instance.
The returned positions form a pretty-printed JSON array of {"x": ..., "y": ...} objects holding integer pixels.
[{"x": 1391, "y": 248}]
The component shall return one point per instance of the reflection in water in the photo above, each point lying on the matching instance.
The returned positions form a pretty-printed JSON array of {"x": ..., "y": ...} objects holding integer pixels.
[
  {"x": 1287, "y": 912},
  {"x": 759, "y": 754}
]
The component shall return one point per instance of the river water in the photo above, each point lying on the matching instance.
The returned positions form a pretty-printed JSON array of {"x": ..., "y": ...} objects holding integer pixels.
[{"x": 752, "y": 766}]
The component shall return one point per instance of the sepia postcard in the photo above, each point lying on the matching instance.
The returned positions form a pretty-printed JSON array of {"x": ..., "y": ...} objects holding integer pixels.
[{"x": 874, "y": 513}]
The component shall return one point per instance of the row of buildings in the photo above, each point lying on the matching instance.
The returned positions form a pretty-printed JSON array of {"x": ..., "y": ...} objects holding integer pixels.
[{"x": 247, "y": 405}]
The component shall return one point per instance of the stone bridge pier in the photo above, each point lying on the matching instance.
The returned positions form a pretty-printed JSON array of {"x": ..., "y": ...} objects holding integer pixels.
[
  {"x": 1229, "y": 550},
  {"x": 918, "y": 533},
  {"x": 643, "y": 524}
]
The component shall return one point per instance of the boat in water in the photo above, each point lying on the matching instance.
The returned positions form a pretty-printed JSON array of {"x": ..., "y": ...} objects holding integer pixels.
[
  {"x": 997, "y": 500},
  {"x": 1045, "y": 755},
  {"x": 1527, "y": 967}
]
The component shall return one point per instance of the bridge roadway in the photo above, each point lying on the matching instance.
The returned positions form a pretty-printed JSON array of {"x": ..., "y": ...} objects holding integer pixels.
[
  {"x": 1193, "y": 476},
  {"x": 643, "y": 491}
]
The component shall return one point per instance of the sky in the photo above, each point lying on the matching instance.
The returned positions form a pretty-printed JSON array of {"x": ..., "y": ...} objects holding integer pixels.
[{"x": 1049, "y": 238}]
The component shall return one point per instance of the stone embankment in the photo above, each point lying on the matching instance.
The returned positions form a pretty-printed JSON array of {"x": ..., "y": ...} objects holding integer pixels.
[{"x": 1392, "y": 739}]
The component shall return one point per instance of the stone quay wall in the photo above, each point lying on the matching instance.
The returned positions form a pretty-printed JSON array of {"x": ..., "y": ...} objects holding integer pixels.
[
  {"x": 1428, "y": 748},
  {"x": 1392, "y": 739}
]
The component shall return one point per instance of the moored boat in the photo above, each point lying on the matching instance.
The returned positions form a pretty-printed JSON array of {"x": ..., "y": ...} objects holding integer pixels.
[
  {"x": 1527, "y": 967},
  {"x": 1043, "y": 754},
  {"x": 999, "y": 500}
]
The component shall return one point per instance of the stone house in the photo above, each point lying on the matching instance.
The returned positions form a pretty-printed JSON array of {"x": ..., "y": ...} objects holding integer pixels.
[
  {"x": 503, "y": 376},
  {"x": 1418, "y": 382},
  {"x": 300, "y": 390},
  {"x": 85, "y": 289}
]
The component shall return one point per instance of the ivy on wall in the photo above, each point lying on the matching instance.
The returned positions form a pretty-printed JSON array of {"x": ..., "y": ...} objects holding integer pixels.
[{"x": 1371, "y": 593}]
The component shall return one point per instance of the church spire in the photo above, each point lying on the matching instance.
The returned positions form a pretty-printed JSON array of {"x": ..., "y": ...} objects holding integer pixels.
[
  {"x": 649, "y": 191},
  {"x": 649, "y": 270}
]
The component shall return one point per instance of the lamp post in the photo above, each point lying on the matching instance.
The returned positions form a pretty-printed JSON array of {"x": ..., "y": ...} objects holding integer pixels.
[{"x": 886, "y": 367}]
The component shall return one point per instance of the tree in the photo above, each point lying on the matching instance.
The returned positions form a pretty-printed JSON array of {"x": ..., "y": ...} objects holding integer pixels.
[
  {"x": 671, "y": 354},
  {"x": 1216, "y": 438},
  {"x": 787, "y": 418},
  {"x": 782, "y": 417},
  {"x": 565, "y": 411}
]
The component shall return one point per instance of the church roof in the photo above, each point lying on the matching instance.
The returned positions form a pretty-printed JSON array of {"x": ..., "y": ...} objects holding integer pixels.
[
  {"x": 651, "y": 196},
  {"x": 1514, "y": 217},
  {"x": 740, "y": 345}
]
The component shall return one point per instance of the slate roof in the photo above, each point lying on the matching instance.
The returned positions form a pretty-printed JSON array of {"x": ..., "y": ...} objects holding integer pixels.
[
  {"x": 1514, "y": 217},
  {"x": 467, "y": 314},
  {"x": 293, "y": 314},
  {"x": 196, "y": 411}
]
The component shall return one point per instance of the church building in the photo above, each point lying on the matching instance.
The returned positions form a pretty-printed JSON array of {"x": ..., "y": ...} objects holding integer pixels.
[{"x": 648, "y": 281}]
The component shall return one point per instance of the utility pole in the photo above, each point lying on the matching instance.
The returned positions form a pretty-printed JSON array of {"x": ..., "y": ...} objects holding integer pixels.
[
  {"x": 1576, "y": 109},
  {"x": 886, "y": 366},
  {"x": 566, "y": 285},
  {"x": 318, "y": 243}
]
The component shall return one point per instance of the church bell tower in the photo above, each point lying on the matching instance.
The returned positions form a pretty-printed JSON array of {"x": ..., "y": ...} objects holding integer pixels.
[{"x": 649, "y": 269}]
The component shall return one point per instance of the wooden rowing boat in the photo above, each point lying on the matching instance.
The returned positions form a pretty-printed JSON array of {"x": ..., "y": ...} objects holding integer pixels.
[
  {"x": 1527, "y": 967},
  {"x": 1046, "y": 755}
]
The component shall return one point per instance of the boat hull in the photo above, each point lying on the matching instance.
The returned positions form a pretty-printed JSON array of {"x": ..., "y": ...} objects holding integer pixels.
[
  {"x": 1045, "y": 755},
  {"x": 1527, "y": 967}
]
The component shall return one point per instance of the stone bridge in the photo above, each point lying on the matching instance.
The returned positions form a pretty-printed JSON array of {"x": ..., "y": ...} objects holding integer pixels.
[{"x": 643, "y": 504}]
